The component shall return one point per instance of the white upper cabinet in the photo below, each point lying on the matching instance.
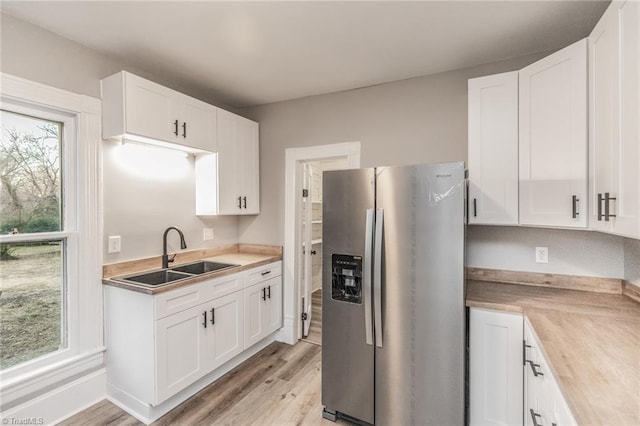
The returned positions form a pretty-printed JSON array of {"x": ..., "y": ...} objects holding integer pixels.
[
  {"x": 493, "y": 149},
  {"x": 553, "y": 139},
  {"x": 229, "y": 183},
  {"x": 141, "y": 110},
  {"x": 614, "y": 104}
]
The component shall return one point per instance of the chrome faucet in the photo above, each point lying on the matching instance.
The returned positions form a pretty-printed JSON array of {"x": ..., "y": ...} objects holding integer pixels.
[{"x": 165, "y": 257}]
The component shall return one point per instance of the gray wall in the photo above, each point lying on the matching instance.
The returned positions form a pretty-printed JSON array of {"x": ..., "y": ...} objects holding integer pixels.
[
  {"x": 632, "y": 261},
  {"x": 413, "y": 121},
  {"x": 137, "y": 206}
]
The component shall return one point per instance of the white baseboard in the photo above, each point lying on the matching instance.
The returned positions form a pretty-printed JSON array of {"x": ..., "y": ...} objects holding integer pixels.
[
  {"x": 60, "y": 403},
  {"x": 287, "y": 333},
  {"x": 148, "y": 414}
]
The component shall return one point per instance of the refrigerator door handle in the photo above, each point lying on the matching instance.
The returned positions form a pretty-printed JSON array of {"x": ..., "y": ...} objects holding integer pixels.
[
  {"x": 377, "y": 276},
  {"x": 368, "y": 262}
]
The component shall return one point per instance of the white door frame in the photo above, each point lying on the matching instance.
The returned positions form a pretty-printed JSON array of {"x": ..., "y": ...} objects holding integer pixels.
[{"x": 291, "y": 331}]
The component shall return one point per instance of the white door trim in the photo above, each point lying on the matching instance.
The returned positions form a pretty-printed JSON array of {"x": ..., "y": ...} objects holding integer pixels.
[{"x": 291, "y": 330}]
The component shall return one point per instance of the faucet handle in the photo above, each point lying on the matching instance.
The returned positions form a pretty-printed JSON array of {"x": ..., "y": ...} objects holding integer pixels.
[{"x": 171, "y": 258}]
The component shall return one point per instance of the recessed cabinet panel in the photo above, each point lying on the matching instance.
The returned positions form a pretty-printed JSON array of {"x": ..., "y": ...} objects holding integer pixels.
[
  {"x": 227, "y": 328},
  {"x": 553, "y": 139},
  {"x": 181, "y": 350},
  {"x": 151, "y": 109},
  {"x": 255, "y": 306},
  {"x": 493, "y": 149},
  {"x": 495, "y": 363}
]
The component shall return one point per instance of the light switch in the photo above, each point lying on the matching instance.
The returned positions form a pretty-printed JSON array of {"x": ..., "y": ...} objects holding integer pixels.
[{"x": 114, "y": 244}]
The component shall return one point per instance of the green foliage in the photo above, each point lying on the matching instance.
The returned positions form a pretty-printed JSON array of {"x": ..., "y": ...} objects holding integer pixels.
[{"x": 6, "y": 252}]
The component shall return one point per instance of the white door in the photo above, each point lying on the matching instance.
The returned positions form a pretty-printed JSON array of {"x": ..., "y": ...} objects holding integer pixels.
[
  {"x": 254, "y": 314},
  {"x": 229, "y": 199},
  {"x": 553, "y": 139},
  {"x": 493, "y": 149},
  {"x": 227, "y": 327},
  {"x": 181, "y": 351},
  {"x": 197, "y": 124},
  {"x": 495, "y": 368},
  {"x": 307, "y": 247},
  {"x": 151, "y": 109}
]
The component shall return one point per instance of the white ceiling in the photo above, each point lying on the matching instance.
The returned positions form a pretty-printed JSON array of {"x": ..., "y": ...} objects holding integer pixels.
[{"x": 249, "y": 53}]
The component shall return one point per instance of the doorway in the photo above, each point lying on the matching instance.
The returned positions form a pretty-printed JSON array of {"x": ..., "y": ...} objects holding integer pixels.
[
  {"x": 310, "y": 266},
  {"x": 296, "y": 264}
]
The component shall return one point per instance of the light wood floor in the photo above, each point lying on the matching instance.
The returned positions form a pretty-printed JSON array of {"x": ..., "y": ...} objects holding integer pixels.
[
  {"x": 280, "y": 385},
  {"x": 315, "y": 329}
]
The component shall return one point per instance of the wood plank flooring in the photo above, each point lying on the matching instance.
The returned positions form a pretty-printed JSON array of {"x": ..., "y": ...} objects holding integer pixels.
[
  {"x": 315, "y": 330},
  {"x": 280, "y": 385}
]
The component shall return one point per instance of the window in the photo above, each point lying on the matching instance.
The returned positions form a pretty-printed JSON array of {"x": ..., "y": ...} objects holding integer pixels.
[
  {"x": 50, "y": 227},
  {"x": 33, "y": 257}
]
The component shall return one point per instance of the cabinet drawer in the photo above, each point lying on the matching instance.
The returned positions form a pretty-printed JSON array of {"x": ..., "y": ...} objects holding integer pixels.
[
  {"x": 186, "y": 297},
  {"x": 262, "y": 273}
]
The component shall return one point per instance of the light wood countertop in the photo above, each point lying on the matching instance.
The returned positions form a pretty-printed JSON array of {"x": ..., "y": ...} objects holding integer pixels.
[
  {"x": 243, "y": 259},
  {"x": 591, "y": 340}
]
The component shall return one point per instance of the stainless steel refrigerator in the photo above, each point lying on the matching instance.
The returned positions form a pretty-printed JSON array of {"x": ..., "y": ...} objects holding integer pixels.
[{"x": 393, "y": 316}]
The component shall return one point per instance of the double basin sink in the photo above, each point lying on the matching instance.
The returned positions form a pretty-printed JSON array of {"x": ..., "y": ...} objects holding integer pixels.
[{"x": 177, "y": 273}]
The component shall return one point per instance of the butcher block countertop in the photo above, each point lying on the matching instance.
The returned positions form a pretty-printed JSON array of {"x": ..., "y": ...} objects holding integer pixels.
[
  {"x": 591, "y": 340},
  {"x": 245, "y": 256}
]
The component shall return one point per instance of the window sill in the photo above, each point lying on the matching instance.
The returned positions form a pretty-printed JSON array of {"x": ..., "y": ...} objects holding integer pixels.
[{"x": 20, "y": 388}]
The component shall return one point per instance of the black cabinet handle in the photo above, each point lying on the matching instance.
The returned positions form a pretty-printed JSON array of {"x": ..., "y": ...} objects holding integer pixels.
[
  {"x": 205, "y": 319},
  {"x": 574, "y": 206},
  {"x": 184, "y": 129},
  {"x": 475, "y": 208},
  {"x": 534, "y": 416},
  {"x": 213, "y": 316},
  {"x": 269, "y": 292},
  {"x": 534, "y": 368},
  {"x": 264, "y": 293},
  {"x": 244, "y": 199},
  {"x": 265, "y": 273},
  {"x": 175, "y": 127},
  {"x": 313, "y": 252},
  {"x": 239, "y": 202},
  {"x": 607, "y": 215},
  {"x": 599, "y": 207}
]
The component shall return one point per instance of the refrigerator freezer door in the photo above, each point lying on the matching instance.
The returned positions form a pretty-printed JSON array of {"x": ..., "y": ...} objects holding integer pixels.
[
  {"x": 347, "y": 360},
  {"x": 420, "y": 368}
]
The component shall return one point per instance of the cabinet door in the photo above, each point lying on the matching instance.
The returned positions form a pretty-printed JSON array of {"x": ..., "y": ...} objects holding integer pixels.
[
  {"x": 226, "y": 320},
  {"x": 553, "y": 139},
  {"x": 181, "y": 351},
  {"x": 255, "y": 307},
  {"x": 626, "y": 187},
  {"x": 493, "y": 149},
  {"x": 197, "y": 124},
  {"x": 151, "y": 109},
  {"x": 229, "y": 199},
  {"x": 604, "y": 112},
  {"x": 495, "y": 368},
  {"x": 274, "y": 299},
  {"x": 248, "y": 165}
]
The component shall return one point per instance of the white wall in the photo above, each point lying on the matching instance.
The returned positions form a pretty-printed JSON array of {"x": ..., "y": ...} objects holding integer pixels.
[{"x": 406, "y": 122}]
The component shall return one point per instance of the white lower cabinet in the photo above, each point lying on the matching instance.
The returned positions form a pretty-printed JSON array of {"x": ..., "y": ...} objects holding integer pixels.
[
  {"x": 544, "y": 403},
  {"x": 263, "y": 304},
  {"x": 495, "y": 368},
  {"x": 159, "y": 345}
]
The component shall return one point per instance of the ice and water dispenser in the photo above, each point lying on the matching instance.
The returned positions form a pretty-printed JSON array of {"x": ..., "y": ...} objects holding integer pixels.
[{"x": 346, "y": 279}]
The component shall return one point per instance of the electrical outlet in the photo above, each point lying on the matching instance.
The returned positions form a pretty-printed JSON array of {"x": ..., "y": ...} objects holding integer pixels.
[
  {"x": 207, "y": 234},
  {"x": 114, "y": 244},
  {"x": 542, "y": 255}
]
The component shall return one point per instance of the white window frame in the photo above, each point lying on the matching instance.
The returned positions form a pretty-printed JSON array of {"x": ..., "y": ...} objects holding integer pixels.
[{"x": 82, "y": 223}]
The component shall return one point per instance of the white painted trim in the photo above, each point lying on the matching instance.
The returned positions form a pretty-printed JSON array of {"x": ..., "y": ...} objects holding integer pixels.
[
  {"x": 62, "y": 402},
  {"x": 84, "y": 352},
  {"x": 148, "y": 414},
  {"x": 293, "y": 156}
]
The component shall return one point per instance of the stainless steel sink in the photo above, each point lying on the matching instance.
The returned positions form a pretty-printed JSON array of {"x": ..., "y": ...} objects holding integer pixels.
[
  {"x": 154, "y": 278},
  {"x": 177, "y": 273},
  {"x": 202, "y": 267}
]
